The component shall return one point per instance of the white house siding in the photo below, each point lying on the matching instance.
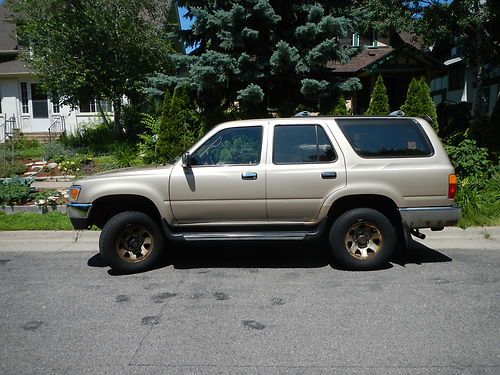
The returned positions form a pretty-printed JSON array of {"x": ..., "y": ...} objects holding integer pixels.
[{"x": 11, "y": 105}]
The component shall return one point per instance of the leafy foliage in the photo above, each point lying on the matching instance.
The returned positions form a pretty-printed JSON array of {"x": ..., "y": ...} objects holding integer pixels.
[
  {"x": 379, "y": 102},
  {"x": 419, "y": 101},
  {"x": 468, "y": 159},
  {"x": 92, "y": 49},
  {"x": 15, "y": 191}
]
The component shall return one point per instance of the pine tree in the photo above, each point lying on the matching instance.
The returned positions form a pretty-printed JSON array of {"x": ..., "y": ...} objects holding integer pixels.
[
  {"x": 419, "y": 101},
  {"x": 379, "y": 102},
  {"x": 340, "y": 108},
  {"x": 263, "y": 53},
  {"x": 179, "y": 125}
]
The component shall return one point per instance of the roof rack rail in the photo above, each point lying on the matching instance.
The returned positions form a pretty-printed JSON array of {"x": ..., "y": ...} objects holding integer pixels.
[
  {"x": 302, "y": 114},
  {"x": 398, "y": 113}
]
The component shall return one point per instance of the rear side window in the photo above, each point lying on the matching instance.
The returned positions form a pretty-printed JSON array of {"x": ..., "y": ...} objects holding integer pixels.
[
  {"x": 295, "y": 144},
  {"x": 385, "y": 138}
]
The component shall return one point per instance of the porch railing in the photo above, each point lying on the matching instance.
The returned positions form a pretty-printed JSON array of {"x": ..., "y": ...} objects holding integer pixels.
[
  {"x": 8, "y": 128},
  {"x": 57, "y": 128}
]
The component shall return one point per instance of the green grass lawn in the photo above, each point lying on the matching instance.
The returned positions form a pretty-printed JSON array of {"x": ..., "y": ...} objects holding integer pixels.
[{"x": 33, "y": 221}]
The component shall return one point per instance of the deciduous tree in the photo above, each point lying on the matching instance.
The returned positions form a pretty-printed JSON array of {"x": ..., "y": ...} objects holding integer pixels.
[{"x": 83, "y": 49}]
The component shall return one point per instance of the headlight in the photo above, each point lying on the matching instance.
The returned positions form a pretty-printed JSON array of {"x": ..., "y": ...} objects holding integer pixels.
[{"x": 74, "y": 192}]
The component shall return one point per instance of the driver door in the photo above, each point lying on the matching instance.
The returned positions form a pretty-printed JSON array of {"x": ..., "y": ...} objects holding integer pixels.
[{"x": 226, "y": 182}]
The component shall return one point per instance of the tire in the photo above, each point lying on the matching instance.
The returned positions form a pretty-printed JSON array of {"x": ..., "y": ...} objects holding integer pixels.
[
  {"x": 131, "y": 242},
  {"x": 362, "y": 239}
]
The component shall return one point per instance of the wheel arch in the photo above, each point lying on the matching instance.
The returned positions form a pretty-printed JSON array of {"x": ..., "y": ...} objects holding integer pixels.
[
  {"x": 380, "y": 203},
  {"x": 105, "y": 207}
]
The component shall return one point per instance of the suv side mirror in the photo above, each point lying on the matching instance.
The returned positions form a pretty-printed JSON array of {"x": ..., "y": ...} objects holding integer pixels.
[{"x": 186, "y": 160}]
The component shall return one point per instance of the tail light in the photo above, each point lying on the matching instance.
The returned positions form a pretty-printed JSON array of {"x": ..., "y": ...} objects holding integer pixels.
[{"x": 452, "y": 186}]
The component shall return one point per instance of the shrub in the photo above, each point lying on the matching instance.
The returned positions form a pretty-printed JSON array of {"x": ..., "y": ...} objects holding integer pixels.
[
  {"x": 15, "y": 191},
  {"x": 339, "y": 108},
  {"x": 379, "y": 102},
  {"x": 123, "y": 155},
  {"x": 419, "y": 101},
  {"x": 468, "y": 159},
  {"x": 54, "y": 151},
  {"x": 179, "y": 125},
  {"x": 479, "y": 198},
  {"x": 12, "y": 168},
  {"x": 94, "y": 138},
  {"x": 147, "y": 148}
]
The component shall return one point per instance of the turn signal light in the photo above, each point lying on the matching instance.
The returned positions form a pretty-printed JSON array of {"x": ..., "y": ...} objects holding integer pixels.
[
  {"x": 73, "y": 193},
  {"x": 452, "y": 186}
]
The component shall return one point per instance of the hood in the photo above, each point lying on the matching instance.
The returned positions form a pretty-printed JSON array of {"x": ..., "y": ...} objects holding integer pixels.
[{"x": 131, "y": 172}]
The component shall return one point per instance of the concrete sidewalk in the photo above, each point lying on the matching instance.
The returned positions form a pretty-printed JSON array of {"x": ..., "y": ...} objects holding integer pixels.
[{"x": 487, "y": 238}]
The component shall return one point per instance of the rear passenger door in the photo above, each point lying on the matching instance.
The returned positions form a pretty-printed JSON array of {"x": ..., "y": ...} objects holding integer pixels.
[{"x": 304, "y": 167}]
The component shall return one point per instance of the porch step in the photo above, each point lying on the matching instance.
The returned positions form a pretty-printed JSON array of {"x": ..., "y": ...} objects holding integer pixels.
[{"x": 42, "y": 137}]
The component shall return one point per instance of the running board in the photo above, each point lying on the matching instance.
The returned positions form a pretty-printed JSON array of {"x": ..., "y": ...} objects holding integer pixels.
[{"x": 245, "y": 236}]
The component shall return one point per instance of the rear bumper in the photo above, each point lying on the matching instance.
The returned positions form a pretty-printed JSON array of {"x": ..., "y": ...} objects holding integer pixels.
[
  {"x": 430, "y": 217},
  {"x": 78, "y": 214}
]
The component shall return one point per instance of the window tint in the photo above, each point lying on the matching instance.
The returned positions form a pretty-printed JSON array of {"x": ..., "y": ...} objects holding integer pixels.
[
  {"x": 301, "y": 144},
  {"x": 386, "y": 137},
  {"x": 231, "y": 146}
]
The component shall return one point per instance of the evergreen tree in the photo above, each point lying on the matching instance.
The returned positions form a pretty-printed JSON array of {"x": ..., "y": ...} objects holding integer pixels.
[
  {"x": 179, "y": 125},
  {"x": 419, "y": 101},
  {"x": 263, "y": 53},
  {"x": 379, "y": 102},
  {"x": 340, "y": 108}
]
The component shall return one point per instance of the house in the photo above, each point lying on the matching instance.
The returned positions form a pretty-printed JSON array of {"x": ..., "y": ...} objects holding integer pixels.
[
  {"x": 396, "y": 56},
  {"x": 457, "y": 83},
  {"x": 27, "y": 109}
]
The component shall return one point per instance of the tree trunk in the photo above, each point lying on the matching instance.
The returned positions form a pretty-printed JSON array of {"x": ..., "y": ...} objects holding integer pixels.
[
  {"x": 101, "y": 112},
  {"x": 117, "y": 107}
]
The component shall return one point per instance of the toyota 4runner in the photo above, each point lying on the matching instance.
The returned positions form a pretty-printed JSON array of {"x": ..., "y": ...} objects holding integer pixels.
[{"x": 364, "y": 182}]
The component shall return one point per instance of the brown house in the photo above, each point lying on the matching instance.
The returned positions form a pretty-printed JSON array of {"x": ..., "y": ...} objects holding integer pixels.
[{"x": 397, "y": 58}]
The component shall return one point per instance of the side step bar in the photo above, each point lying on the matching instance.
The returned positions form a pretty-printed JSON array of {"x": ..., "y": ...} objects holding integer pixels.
[{"x": 314, "y": 234}]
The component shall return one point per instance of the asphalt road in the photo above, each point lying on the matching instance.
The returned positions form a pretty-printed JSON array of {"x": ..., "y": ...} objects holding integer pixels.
[{"x": 249, "y": 309}]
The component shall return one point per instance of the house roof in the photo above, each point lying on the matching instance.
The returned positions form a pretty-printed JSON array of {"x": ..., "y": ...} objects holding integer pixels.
[
  {"x": 364, "y": 58},
  {"x": 13, "y": 67},
  {"x": 7, "y": 30},
  {"x": 370, "y": 59}
]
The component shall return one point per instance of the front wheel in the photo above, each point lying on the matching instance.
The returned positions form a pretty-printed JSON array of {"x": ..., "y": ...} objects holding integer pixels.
[
  {"x": 131, "y": 242},
  {"x": 362, "y": 239}
]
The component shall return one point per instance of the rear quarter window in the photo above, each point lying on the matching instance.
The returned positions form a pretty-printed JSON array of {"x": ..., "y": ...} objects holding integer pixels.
[{"x": 386, "y": 138}]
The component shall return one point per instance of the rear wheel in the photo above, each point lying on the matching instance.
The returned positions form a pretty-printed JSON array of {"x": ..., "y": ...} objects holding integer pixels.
[
  {"x": 131, "y": 242},
  {"x": 362, "y": 239}
]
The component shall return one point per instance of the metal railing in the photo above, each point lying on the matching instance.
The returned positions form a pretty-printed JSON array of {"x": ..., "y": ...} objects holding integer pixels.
[
  {"x": 8, "y": 128},
  {"x": 57, "y": 128}
]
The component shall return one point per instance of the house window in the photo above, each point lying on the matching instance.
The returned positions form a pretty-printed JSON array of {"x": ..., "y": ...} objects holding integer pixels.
[
  {"x": 355, "y": 40},
  {"x": 374, "y": 38},
  {"x": 457, "y": 78},
  {"x": 91, "y": 106},
  {"x": 24, "y": 97},
  {"x": 55, "y": 106}
]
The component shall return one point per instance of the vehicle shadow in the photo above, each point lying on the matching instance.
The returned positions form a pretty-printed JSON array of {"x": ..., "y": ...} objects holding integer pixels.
[
  {"x": 270, "y": 255},
  {"x": 418, "y": 253}
]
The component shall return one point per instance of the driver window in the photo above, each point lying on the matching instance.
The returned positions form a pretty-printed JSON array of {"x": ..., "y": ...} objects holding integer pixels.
[{"x": 240, "y": 145}]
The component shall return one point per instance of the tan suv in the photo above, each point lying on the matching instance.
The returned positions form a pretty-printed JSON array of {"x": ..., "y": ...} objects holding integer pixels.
[{"x": 365, "y": 182}]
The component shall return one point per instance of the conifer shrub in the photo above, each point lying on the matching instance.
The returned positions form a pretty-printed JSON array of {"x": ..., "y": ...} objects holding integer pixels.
[
  {"x": 379, "y": 102},
  {"x": 419, "y": 101},
  {"x": 179, "y": 125},
  {"x": 339, "y": 109}
]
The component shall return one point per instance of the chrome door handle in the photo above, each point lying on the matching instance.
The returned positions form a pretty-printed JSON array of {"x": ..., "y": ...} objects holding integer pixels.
[
  {"x": 328, "y": 175},
  {"x": 249, "y": 175}
]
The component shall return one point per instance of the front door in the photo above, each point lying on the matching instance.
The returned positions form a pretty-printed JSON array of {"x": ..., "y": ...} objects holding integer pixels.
[
  {"x": 226, "y": 182},
  {"x": 40, "y": 109}
]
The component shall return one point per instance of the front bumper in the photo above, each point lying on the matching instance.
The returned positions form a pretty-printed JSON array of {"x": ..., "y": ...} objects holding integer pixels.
[
  {"x": 79, "y": 214},
  {"x": 430, "y": 217}
]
